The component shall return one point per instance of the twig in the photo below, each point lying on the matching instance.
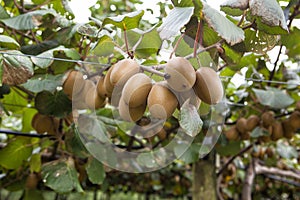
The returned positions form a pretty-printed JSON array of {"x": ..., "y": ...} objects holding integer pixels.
[
  {"x": 259, "y": 169},
  {"x": 198, "y": 38},
  {"x": 176, "y": 45},
  {"x": 153, "y": 71},
  {"x": 234, "y": 157},
  {"x": 219, "y": 179},
  {"x": 39, "y": 6},
  {"x": 248, "y": 183},
  {"x": 288, "y": 181},
  {"x": 272, "y": 73}
]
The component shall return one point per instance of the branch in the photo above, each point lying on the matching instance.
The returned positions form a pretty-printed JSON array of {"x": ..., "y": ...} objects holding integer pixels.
[
  {"x": 288, "y": 181},
  {"x": 248, "y": 183},
  {"x": 275, "y": 65},
  {"x": 259, "y": 169},
  {"x": 154, "y": 71}
]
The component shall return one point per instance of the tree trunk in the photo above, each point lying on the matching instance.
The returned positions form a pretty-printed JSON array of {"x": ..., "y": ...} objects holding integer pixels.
[{"x": 204, "y": 179}]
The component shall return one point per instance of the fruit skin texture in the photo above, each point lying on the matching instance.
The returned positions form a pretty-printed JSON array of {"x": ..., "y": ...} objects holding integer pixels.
[
  {"x": 268, "y": 118},
  {"x": 101, "y": 87},
  {"x": 136, "y": 90},
  {"x": 208, "y": 86},
  {"x": 93, "y": 100},
  {"x": 43, "y": 123},
  {"x": 73, "y": 83},
  {"x": 232, "y": 133},
  {"x": 182, "y": 74},
  {"x": 122, "y": 71},
  {"x": 241, "y": 125},
  {"x": 277, "y": 131},
  {"x": 32, "y": 181},
  {"x": 294, "y": 120},
  {"x": 252, "y": 122},
  {"x": 108, "y": 86},
  {"x": 161, "y": 101},
  {"x": 131, "y": 114}
]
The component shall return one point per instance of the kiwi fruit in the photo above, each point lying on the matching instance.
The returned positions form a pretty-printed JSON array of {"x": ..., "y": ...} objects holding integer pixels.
[
  {"x": 161, "y": 101},
  {"x": 93, "y": 100},
  {"x": 246, "y": 135},
  {"x": 241, "y": 125},
  {"x": 108, "y": 86},
  {"x": 190, "y": 94},
  {"x": 73, "y": 83},
  {"x": 298, "y": 105},
  {"x": 122, "y": 71},
  {"x": 268, "y": 118},
  {"x": 252, "y": 122},
  {"x": 44, "y": 123},
  {"x": 131, "y": 114},
  {"x": 32, "y": 181},
  {"x": 136, "y": 90},
  {"x": 182, "y": 74},
  {"x": 208, "y": 86},
  {"x": 232, "y": 133},
  {"x": 162, "y": 134},
  {"x": 277, "y": 132},
  {"x": 288, "y": 130},
  {"x": 101, "y": 87},
  {"x": 294, "y": 120}
]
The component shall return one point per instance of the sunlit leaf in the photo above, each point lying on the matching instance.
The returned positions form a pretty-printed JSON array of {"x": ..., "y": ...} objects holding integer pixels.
[
  {"x": 8, "y": 42},
  {"x": 45, "y": 82},
  {"x": 234, "y": 7},
  {"x": 35, "y": 163}
]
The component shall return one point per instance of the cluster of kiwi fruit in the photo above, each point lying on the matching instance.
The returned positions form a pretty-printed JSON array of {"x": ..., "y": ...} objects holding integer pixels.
[
  {"x": 276, "y": 129},
  {"x": 128, "y": 88}
]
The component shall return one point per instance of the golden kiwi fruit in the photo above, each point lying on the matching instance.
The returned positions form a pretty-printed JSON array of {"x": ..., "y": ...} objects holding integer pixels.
[
  {"x": 122, "y": 71},
  {"x": 136, "y": 90},
  {"x": 241, "y": 125},
  {"x": 131, "y": 114},
  {"x": 232, "y": 133},
  {"x": 161, "y": 101},
  {"x": 73, "y": 83},
  {"x": 252, "y": 122},
  {"x": 268, "y": 118},
  {"x": 32, "y": 181},
  {"x": 208, "y": 86},
  {"x": 182, "y": 74},
  {"x": 277, "y": 131},
  {"x": 101, "y": 87},
  {"x": 93, "y": 100},
  {"x": 108, "y": 86},
  {"x": 294, "y": 120},
  {"x": 44, "y": 123}
]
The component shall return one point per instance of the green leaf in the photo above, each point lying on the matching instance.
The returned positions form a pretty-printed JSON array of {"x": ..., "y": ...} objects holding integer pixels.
[
  {"x": 293, "y": 48},
  {"x": 95, "y": 171},
  {"x": 149, "y": 45},
  {"x": 28, "y": 20},
  {"x": 258, "y": 132},
  {"x": 17, "y": 151},
  {"x": 190, "y": 120},
  {"x": 27, "y": 115},
  {"x": 15, "y": 101},
  {"x": 45, "y": 82},
  {"x": 56, "y": 104},
  {"x": 190, "y": 155},
  {"x": 45, "y": 58},
  {"x": 232, "y": 148},
  {"x": 176, "y": 19},
  {"x": 234, "y": 7},
  {"x": 268, "y": 16},
  {"x": 104, "y": 47},
  {"x": 3, "y": 13},
  {"x": 8, "y": 42},
  {"x": 35, "y": 163},
  {"x": 33, "y": 194},
  {"x": 88, "y": 30},
  {"x": 223, "y": 26},
  {"x": 125, "y": 22},
  {"x": 273, "y": 97},
  {"x": 286, "y": 151},
  {"x": 74, "y": 144},
  {"x": 61, "y": 176}
]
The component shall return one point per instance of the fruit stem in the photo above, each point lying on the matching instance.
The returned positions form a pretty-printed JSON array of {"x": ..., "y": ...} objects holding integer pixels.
[
  {"x": 154, "y": 71},
  {"x": 200, "y": 50}
]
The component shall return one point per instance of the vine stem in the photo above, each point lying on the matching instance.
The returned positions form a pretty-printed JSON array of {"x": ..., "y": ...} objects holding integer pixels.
[
  {"x": 154, "y": 71},
  {"x": 127, "y": 45}
]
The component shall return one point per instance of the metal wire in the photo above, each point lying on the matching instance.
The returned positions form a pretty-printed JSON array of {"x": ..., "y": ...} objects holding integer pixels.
[{"x": 259, "y": 80}]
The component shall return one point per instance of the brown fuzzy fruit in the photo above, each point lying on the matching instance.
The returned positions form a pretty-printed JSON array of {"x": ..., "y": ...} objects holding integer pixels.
[
  {"x": 268, "y": 118},
  {"x": 241, "y": 125},
  {"x": 288, "y": 130},
  {"x": 295, "y": 120},
  {"x": 252, "y": 122},
  {"x": 208, "y": 86},
  {"x": 32, "y": 181},
  {"x": 122, "y": 71},
  {"x": 93, "y": 100},
  {"x": 108, "y": 86},
  {"x": 73, "y": 83},
  {"x": 232, "y": 133},
  {"x": 245, "y": 135},
  {"x": 43, "y": 123},
  {"x": 277, "y": 132},
  {"x": 161, "y": 101},
  {"x": 298, "y": 106},
  {"x": 182, "y": 74},
  {"x": 101, "y": 88},
  {"x": 131, "y": 114},
  {"x": 136, "y": 90},
  {"x": 162, "y": 134}
]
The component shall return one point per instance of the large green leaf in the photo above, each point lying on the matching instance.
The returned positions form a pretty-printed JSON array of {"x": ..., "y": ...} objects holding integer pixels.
[
  {"x": 3, "y": 13},
  {"x": 234, "y": 7},
  {"x": 56, "y": 104},
  {"x": 149, "y": 45},
  {"x": 190, "y": 120},
  {"x": 176, "y": 19},
  {"x": 126, "y": 21},
  {"x": 232, "y": 148},
  {"x": 223, "y": 26},
  {"x": 45, "y": 82},
  {"x": 190, "y": 155},
  {"x": 74, "y": 144},
  {"x": 15, "y": 101},
  {"x": 61, "y": 176},
  {"x": 44, "y": 60},
  {"x": 293, "y": 47},
  {"x": 27, "y": 115},
  {"x": 273, "y": 97},
  {"x": 104, "y": 47},
  {"x": 8, "y": 42},
  {"x": 95, "y": 171},
  {"x": 15, "y": 153},
  {"x": 28, "y": 20},
  {"x": 268, "y": 16}
]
